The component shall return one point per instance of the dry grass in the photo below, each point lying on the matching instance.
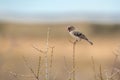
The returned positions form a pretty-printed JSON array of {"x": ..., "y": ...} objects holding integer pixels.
[{"x": 79, "y": 62}]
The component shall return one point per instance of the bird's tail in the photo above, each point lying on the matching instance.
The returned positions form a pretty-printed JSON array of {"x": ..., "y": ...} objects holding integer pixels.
[{"x": 90, "y": 42}]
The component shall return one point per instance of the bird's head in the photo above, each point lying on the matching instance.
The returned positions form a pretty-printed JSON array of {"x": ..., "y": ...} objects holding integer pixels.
[{"x": 70, "y": 28}]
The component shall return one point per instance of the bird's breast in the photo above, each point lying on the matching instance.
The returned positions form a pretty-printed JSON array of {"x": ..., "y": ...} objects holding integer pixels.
[{"x": 75, "y": 37}]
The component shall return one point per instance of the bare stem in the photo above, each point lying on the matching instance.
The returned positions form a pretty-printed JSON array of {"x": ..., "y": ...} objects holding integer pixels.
[
  {"x": 101, "y": 77},
  {"x": 37, "y": 49},
  {"x": 38, "y": 70},
  {"x": 94, "y": 68},
  {"x": 114, "y": 63},
  {"x": 74, "y": 65},
  {"x": 29, "y": 67},
  {"x": 46, "y": 56},
  {"x": 51, "y": 60}
]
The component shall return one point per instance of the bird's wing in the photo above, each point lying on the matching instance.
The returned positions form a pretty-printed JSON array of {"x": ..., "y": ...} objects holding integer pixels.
[
  {"x": 80, "y": 35},
  {"x": 77, "y": 33}
]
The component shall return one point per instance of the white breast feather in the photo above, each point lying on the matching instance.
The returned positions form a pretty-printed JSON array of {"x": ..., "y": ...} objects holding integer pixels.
[{"x": 75, "y": 37}]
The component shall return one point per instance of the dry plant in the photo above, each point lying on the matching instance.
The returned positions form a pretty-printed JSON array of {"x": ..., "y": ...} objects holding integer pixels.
[
  {"x": 114, "y": 72},
  {"x": 74, "y": 64},
  {"x": 36, "y": 74},
  {"x": 51, "y": 57},
  {"x": 73, "y": 60},
  {"x": 46, "y": 55},
  {"x": 109, "y": 74},
  {"x": 48, "y": 68},
  {"x": 46, "y": 60},
  {"x": 52, "y": 72},
  {"x": 100, "y": 74},
  {"x": 66, "y": 68},
  {"x": 97, "y": 76},
  {"x": 94, "y": 67},
  {"x": 16, "y": 76}
]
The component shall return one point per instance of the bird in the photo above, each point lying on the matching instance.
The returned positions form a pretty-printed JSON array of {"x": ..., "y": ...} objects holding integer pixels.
[{"x": 77, "y": 34}]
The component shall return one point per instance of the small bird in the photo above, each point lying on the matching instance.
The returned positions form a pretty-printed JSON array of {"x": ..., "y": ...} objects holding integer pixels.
[{"x": 77, "y": 34}]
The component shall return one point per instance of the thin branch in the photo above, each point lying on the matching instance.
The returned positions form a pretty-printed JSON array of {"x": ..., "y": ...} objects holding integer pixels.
[
  {"x": 51, "y": 60},
  {"x": 74, "y": 65},
  {"x": 38, "y": 49},
  {"x": 29, "y": 67},
  {"x": 94, "y": 67},
  {"x": 19, "y": 75},
  {"x": 114, "y": 74},
  {"x": 101, "y": 76},
  {"x": 46, "y": 56},
  {"x": 39, "y": 65}
]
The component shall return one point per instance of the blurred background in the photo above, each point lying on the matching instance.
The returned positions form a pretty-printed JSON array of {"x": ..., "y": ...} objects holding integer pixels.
[{"x": 24, "y": 23}]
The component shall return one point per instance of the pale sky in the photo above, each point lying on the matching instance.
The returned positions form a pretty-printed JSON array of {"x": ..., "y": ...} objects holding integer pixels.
[{"x": 60, "y": 6}]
